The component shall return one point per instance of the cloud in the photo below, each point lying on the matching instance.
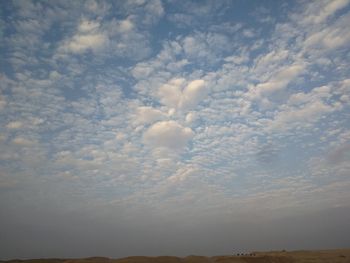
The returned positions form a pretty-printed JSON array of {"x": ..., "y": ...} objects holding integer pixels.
[
  {"x": 3, "y": 102},
  {"x": 127, "y": 37},
  {"x": 329, "y": 38},
  {"x": 206, "y": 48},
  {"x": 193, "y": 93},
  {"x": 14, "y": 125},
  {"x": 321, "y": 34},
  {"x": 125, "y": 26},
  {"x": 88, "y": 26},
  {"x": 334, "y": 162},
  {"x": 183, "y": 173},
  {"x": 169, "y": 59},
  {"x": 276, "y": 82},
  {"x": 249, "y": 33},
  {"x": 190, "y": 117},
  {"x": 305, "y": 115},
  {"x": 339, "y": 154},
  {"x": 176, "y": 94},
  {"x": 171, "y": 93},
  {"x": 147, "y": 115},
  {"x": 319, "y": 12},
  {"x": 97, "y": 7},
  {"x": 168, "y": 134},
  {"x": 87, "y": 37},
  {"x": 22, "y": 141},
  {"x": 270, "y": 60},
  {"x": 315, "y": 94},
  {"x": 155, "y": 8}
]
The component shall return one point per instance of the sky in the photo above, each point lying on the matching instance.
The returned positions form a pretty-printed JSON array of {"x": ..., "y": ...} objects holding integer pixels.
[{"x": 173, "y": 127}]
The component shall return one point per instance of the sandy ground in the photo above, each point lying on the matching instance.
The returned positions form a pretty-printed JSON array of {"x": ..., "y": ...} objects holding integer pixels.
[{"x": 329, "y": 256}]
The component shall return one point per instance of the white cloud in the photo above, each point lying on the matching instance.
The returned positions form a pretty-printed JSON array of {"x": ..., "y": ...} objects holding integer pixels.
[
  {"x": 339, "y": 154},
  {"x": 97, "y": 7},
  {"x": 125, "y": 25},
  {"x": 249, "y": 33},
  {"x": 95, "y": 111},
  {"x": 193, "y": 93},
  {"x": 169, "y": 60},
  {"x": 316, "y": 94},
  {"x": 2, "y": 102},
  {"x": 148, "y": 11},
  {"x": 327, "y": 38},
  {"x": 142, "y": 70},
  {"x": 88, "y": 36},
  {"x": 237, "y": 59},
  {"x": 277, "y": 82},
  {"x": 176, "y": 94},
  {"x": 168, "y": 134},
  {"x": 88, "y": 26},
  {"x": 171, "y": 93},
  {"x": 292, "y": 117},
  {"x": 127, "y": 37},
  {"x": 319, "y": 11},
  {"x": 14, "y": 125},
  {"x": 155, "y": 8},
  {"x": 146, "y": 115},
  {"x": 183, "y": 173},
  {"x": 83, "y": 42},
  {"x": 334, "y": 163},
  {"x": 190, "y": 117},
  {"x": 206, "y": 48},
  {"x": 271, "y": 60},
  {"x": 22, "y": 141}
]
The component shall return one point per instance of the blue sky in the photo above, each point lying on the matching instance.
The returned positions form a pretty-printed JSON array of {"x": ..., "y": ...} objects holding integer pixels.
[{"x": 167, "y": 127}]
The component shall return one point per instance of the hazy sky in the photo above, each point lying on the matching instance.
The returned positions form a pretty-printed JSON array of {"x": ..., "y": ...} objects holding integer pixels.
[{"x": 173, "y": 127}]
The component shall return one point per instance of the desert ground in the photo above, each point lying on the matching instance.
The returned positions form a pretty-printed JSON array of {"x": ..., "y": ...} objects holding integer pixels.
[{"x": 322, "y": 256}]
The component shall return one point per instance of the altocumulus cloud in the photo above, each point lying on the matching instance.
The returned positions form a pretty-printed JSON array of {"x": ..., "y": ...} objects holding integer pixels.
[
  {"x": 173, "y": 127},
  {"x": 168, "y": 134}
]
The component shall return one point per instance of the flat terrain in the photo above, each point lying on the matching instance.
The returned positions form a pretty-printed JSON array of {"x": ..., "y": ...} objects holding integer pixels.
[{"x": 323, "y": 256}]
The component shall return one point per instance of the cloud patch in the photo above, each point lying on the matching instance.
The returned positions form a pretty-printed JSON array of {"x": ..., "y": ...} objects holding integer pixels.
[
  {"x": 88, "y": 37},
  {"x": 179, "y": 94},
  {"x": 147, "y": 115},
  {"x": 14, "y": 125},
  {"x": 168, "y": 134},
  {"x": 277, "y": 82}
]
